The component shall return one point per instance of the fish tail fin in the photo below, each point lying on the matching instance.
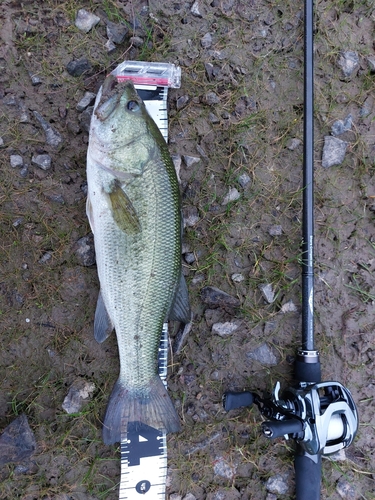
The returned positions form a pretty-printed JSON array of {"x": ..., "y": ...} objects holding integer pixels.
[{"x": 153, "y": 408}]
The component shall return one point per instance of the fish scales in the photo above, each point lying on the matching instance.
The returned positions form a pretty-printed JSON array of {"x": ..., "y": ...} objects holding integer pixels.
[{"x": 134, "y": 211}]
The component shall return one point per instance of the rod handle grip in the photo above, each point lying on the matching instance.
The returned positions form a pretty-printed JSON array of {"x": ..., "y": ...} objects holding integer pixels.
[
  {"x": 233, "y": 400},
  {"x": 308, "y": 475}
]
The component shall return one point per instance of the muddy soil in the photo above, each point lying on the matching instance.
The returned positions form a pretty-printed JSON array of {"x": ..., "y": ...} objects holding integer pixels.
[{"x": 239, "y": 111}]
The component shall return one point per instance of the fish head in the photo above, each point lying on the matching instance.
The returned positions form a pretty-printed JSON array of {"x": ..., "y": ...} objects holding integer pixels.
[{"x": 122, "y": 132}]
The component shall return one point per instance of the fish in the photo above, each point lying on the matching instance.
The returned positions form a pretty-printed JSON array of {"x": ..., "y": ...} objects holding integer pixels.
[{"x": 134, "y": 210}]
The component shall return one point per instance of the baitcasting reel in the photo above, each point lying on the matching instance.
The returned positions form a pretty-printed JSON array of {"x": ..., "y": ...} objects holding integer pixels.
[{"x": 322, "y": 418}]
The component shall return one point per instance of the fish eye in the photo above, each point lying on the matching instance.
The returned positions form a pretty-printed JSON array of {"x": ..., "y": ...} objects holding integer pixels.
[{"x": 132, "y": 106}]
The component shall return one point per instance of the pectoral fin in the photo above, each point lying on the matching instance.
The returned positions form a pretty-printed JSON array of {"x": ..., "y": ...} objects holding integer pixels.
[
  {"x": 90, "y": 214},
  {"x": 102, "y": 323},
  {"x": 123, "y": 211},
  {"x": 180, "y": 310}
]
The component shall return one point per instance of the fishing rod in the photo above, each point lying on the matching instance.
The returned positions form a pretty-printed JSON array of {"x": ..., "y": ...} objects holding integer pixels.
[{"x": 321, "y": 417}]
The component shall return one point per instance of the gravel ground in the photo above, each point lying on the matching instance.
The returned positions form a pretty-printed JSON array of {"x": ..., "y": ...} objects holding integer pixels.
[{"x": 236, "y": 132}]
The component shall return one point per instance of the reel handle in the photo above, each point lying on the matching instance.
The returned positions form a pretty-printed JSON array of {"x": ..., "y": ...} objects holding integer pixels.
[
  {"x": 277, "y": 428},
  {"x": 308, "y": 470}
]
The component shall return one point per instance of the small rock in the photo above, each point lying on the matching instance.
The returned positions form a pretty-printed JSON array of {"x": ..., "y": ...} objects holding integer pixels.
[
  {"x": 275, "y": 230},
  {"x": 264, "y": 355},
  {"x": 77, "y": 67},
  {"x": 345, "y": 489},
  {"x": 189, "y": 496},
  {"x": 110, "y": 46},
  {"x": 195, "y": 9},
  {"x": 348, "y": 61},
  {"x": 213, "y": 118},
  {"x": 16, "y": 161},
  {"x": 53, "y": 138},
  {"x": 24, "y": 171},
  {"x": 213, "y": 297},
  {"x": 136, "y": 41},
  {"x": 223, "y": 468},
  {"x": 293, "y": 144},
  {"x": 182, "y": 101},
  {"x": 339, "y": 456},
  {"x": 175, "y": 496},
  {"x": 17, "y": 442},
  {"x": 371, "y": 63},
  {"x": 190, "y": 216},
  {"x": 224, "y": 494},
  {"x": 35, "y": 80},
  {"x": 116, "y": 32},
  {"x": 45, "y": 258},
  {"x": 42, "y": 161},
  {"x": 288, "y": 307},
  {"x": 1, "y": 142},
  {"x": 278, "y": 484},
  {"x": 177, "y": 165},
  {"x": 85, "y": 118},
  {"x": 86, "y": 20},
  {"x": 190, "y": 160},
  {"x": 244, "y": 180},
  {"x": 211, "y": 98},
  {"x": 79, "y": 394},
  {"x": 267, "y": 292},
  {"x": 271, "y": 496},
  {"x": 84, "y": 250},
  {"x": 206, "y": 41},
  {"x": 237, "y": 277},
  {"x": 189, "y": 258},
  {"x": 86, "y": 100},
  {"x": 232, "y": 195},
  {"x": 333, "y": 151},
  {"x": 224, "y": 329},
  {"x": 341, "y": 126}
]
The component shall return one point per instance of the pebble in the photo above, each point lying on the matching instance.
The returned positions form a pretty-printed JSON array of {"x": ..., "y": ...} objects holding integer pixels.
[
  {"x": 264, "y": 355},
  {"x": 182, "y": 101},
  {"x": 42, "y": 161},
  {"x": 16, "y": 161},
  {"x": 45, "y": 258},
  {"x": 211, "y": 98},
  {"x": 293, "y": 144},
  {"x": 278, "y": 484},
  {"x": 213, "y": 118},
  {"x": 244, "y": 180},
  {"x": 136, "y": 41},
  {"x": 24, "y": 171},
  {"x": 333, "y": 151},
  {"x": 275, "y": 230},
  {"x": 345, "y": 489},
  {"x": 85, "y": 20},
  {"x": 224, "y": 329},
  {"x": 175, "y": 496},
  {"x": 341, "y": 126},
  {"x": 84, "y": 250},
  {"x": 116, "y": 32},
  {"x": 110, "y": 46},
  {"x": 86, "y": 100},
  {"x": 17, "y": 442},
  {"x": 195, "y": 9},
  {"x": 206, "y": 41},
  {"x": 214, "y": 297},
  {"x": 53, "y": 138},
  {"x": 237, "y": 277},
  {"x": 189, "y": 496},
  {"x": 85, "y": 118},
  {"x": 190, "y": 216},
  {"x": 348, "y": 61},
  {"x": 288, "y": 307},
  {"x": 232, "y": 195},
  {"x": 371, "y": 63},
  {"x": 35, "y": 80},
  {"x": 189, "y": 257},
  {"x": 1, "y": 142},
  {"x": 224, "y": 468},
  {"x": 177, "y": 166},
  {"x": 77, "y": 67},
  {"x": 267, "y": 292},
  {"x": 190, "y": 160},
  {"x": 79, "y": 394}
]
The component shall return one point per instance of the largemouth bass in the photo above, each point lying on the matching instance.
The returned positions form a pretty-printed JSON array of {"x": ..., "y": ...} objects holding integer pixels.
[{"x": 133, "y": 207}]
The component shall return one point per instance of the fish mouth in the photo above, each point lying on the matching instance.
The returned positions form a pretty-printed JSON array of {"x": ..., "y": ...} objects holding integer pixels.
[{"x": 112, "y": 91}]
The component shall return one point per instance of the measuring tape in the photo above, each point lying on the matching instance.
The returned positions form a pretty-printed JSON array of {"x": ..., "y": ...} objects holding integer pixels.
[{"x": 143, "y": 448}]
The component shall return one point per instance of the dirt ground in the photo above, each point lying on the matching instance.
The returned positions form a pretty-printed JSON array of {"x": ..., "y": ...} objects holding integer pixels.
[{"x": 238, "y": 110}]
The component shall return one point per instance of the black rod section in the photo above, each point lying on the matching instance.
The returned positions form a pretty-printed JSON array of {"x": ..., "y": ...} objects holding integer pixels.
[{"x": 308, "y": 184}]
